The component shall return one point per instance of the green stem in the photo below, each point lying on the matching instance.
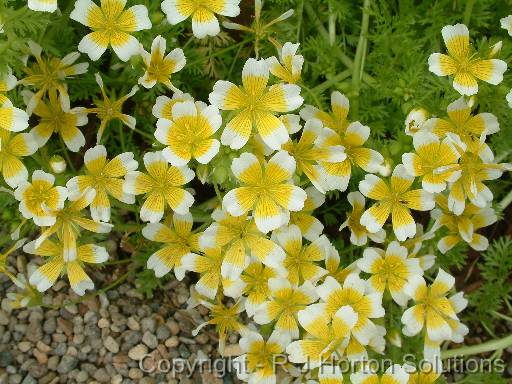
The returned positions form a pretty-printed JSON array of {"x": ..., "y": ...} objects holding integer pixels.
[
  {"x": 313, "y": 95},
  {"x": 66, "y": 154},
  {"x": 219, "y": 52},
  {"x": 121, "y": 135},
  {"x": 332, "y": 25},
  {"x": 358, "y": 60},
  {"x": 468, "y": 10},
  {"x": 300, "y": 15},
  {"x": 333, "y": 80},
  {"x": 489, "y": 346},
  {"x": 505, "y": 202},
  {"x": 217, "y": 191},
  {"x": 144, "y": 134},
  {"x": 502, "y": 316},
  {"x": 312, "y": 14}
]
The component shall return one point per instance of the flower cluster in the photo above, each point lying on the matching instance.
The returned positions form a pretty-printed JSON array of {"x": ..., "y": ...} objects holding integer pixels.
[{"x": 264, "y": 267}]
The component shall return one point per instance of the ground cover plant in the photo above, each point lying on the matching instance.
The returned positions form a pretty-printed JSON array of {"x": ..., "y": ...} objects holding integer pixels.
[{"x": 333, "y": 176}]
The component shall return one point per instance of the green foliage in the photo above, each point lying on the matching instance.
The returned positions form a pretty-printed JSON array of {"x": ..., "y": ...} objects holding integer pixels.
[
  {"x": 395, "y": 78},
  {"x": 495, "y": 269}
]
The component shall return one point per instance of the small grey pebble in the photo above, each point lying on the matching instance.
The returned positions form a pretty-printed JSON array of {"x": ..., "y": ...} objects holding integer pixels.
[
  {"x": 150, "y": 340},
  {"x": 67, "y": 364}
]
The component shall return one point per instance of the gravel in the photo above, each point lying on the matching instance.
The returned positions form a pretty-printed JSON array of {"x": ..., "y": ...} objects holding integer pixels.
[{"x": 103, "y": 338}]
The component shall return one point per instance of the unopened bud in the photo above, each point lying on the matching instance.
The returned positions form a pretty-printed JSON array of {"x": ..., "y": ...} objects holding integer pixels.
[
  {"x": 395, "y": 338},
  {"x": 156, "y": 17},
  {"x": 220, "y": 174},
  {"x": 202, "y": 172},
  {"x": 495, "y": 49},
  {"x": 57, "y": 164},
  {"x": 471, "y": 101},
  {"x": 385, "y": 168}
]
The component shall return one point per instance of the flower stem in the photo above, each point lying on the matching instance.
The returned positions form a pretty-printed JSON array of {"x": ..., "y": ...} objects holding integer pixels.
[
  {"x": 357, "y": 70},
  {"x": 505, "y": 202},
  {"x": 489, "y": 346},
  {"x": 333, "y": 80},
  {"x": 312, "y": 14},
  {"x": 468, "y": 10}
]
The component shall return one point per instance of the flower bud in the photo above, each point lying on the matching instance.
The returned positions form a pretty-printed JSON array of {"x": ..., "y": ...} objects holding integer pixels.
[
  {"x": 57, "y": 164},
  {"x": 202, "y": 172},
  {"x": 156, "y": 17},
  {"x": 395, "y": 338},
  {"x": 220, "y": 174},
  {"x": 495, "y": 49},
  {"x": 385, "y": 168}
]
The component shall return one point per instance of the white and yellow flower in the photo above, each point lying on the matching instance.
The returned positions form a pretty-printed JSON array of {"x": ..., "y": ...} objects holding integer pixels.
[
  {"x": 56, "y": 116},
  {"x": 353, "y": 293},
  {"x": 285, "y": 302},
  {"x": 509, "y": 98},
  {"x": 341, "y": 132},
  {"x": 189, "y": 134},
  {"x": 42, "y": 5},
  {"x": 415, "y": 244},
  {"x": 338, "y": 174},
  {"x": 208, "y": 265},
  {"x": 253, "y": 285},
  {"x": 255, "y": 105},
  {"x": 335, "y": 269},
  {"x": 162, "y": 186},
  {"x": 111, "y": 25},
  {"x": 13, "y": 147},
  {"x": 415, "y": 121},
  {"x": 358, "y": 233},
  {"x": 432, "y": 310},
  {"x": 57, "y": 263},
  {"x": 108, "y": 110},
  {"x": 390, "y": 270},
  {"x": 463, "y": 64},
  {"x": 240, "y": 239},
  {"x": 434, "y": 161},
  {"x": 506, "y": 23},
  {"x": 477, "y": 166},
  {"x": 301, "y": 260},
  {"x": 288, "y": 67},
  {"x": 160, "y": 67},
  {"x": 40, "y": 198},
  {"x": 308, "y": 224},
  {"x": 225, "y": 318},
  {"x": 395, "y": 374},
  {"x": 427, "y": 375},
  {"x": 7, "y": 82},
  {"x": 460, "y": 122},
  {"x": 394, "y": 198},
  {"x": 50, "y": 74},
  {"x": 462, "y": 227},
  {"x": 12, "y": 119},
  {"x": 163, "y": 105},
  {"x": 105, "y": 178},
  {"x": 330, "y": 374},
  {"x": 204, "y": 22},
  {"x": 327, "y": 336},
  {"x": 308, "y": 154},
  {"x": 262, "y": 359},
  {"x": 336, "y": 119},
  {"x": 179, "y": 241},
  {"x": 69, "y": 222},
  {"x": 265, "y": 190}
]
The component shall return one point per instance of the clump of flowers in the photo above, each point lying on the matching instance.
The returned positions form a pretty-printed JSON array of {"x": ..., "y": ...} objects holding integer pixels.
[{"x": 262, "y": 254}]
